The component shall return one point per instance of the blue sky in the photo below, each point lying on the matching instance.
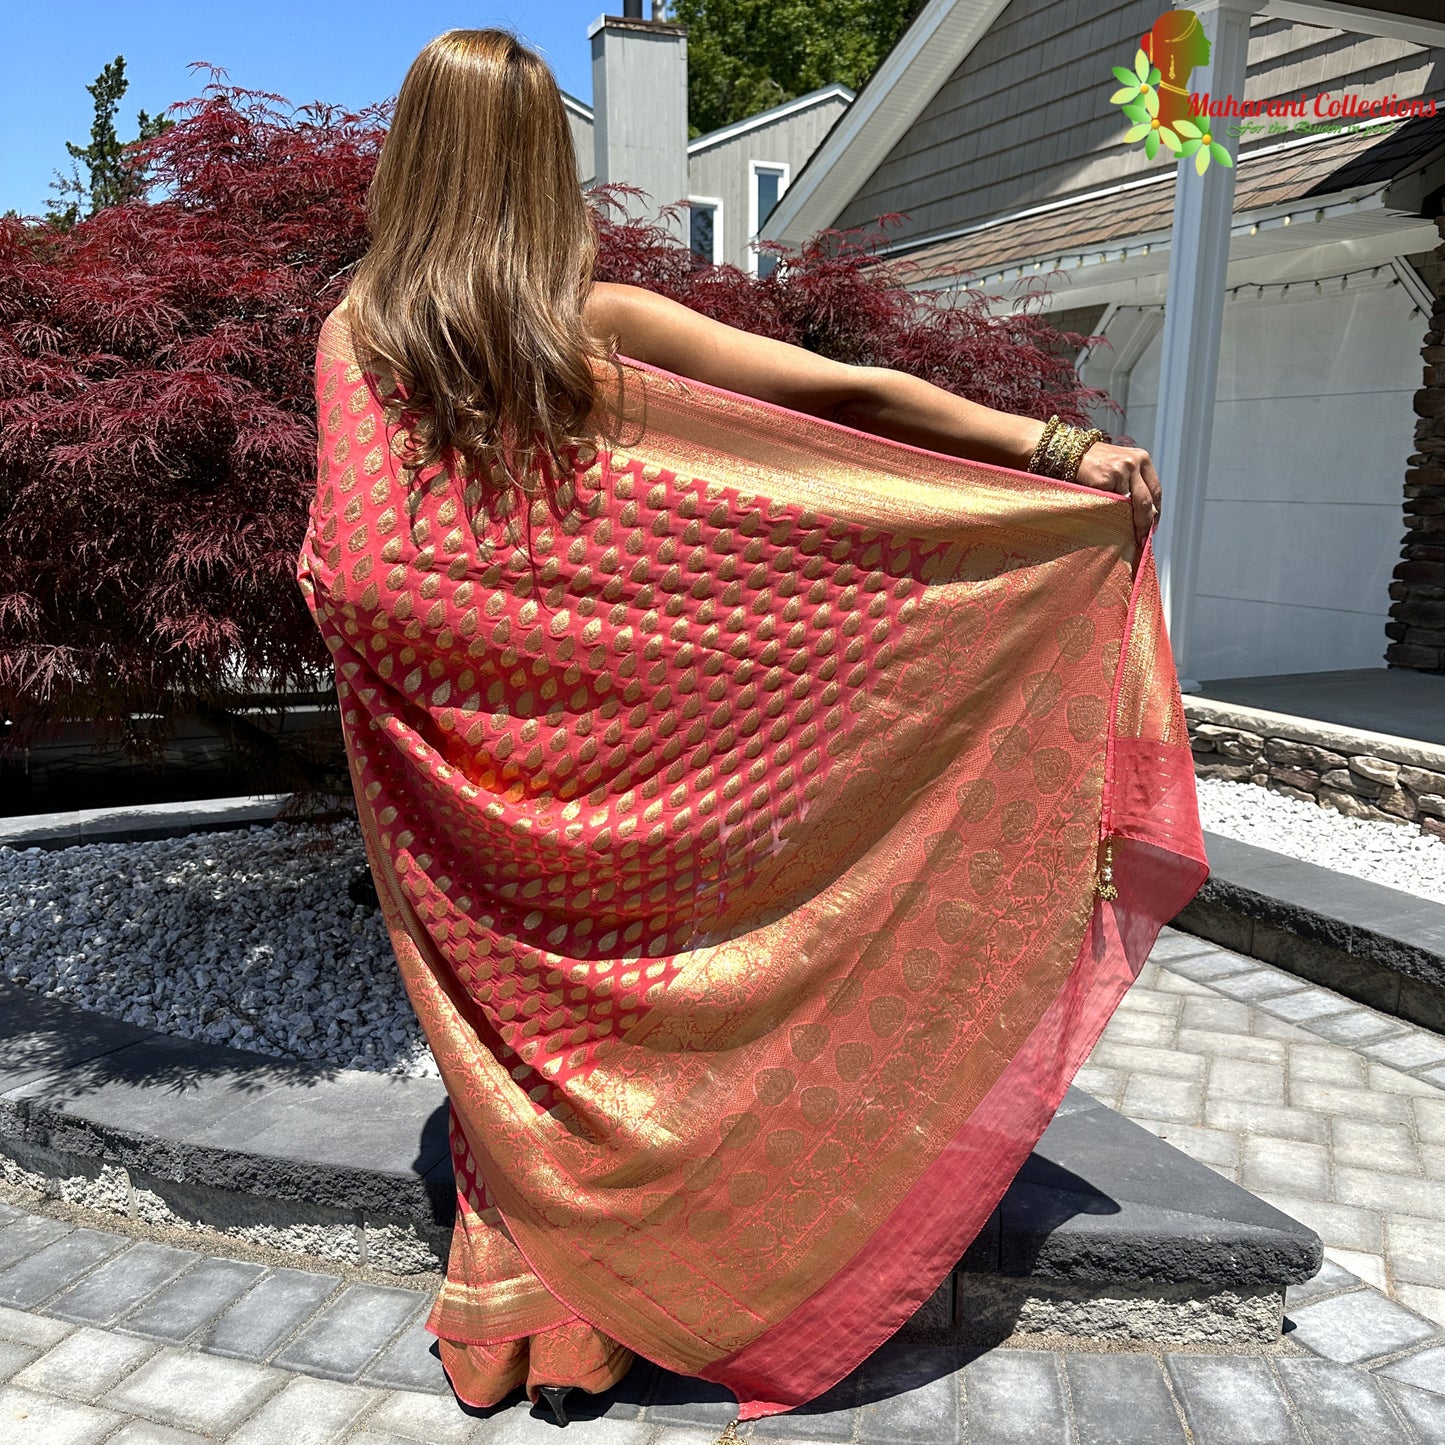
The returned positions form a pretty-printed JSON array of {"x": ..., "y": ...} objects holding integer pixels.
[{"x": 349, "y": 55}]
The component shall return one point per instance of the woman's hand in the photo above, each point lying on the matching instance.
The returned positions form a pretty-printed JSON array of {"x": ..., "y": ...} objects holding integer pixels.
[{"x": 1128, "y": 471}]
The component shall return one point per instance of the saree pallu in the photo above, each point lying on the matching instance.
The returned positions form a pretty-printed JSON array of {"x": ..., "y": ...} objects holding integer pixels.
[{"x": 740, "y": 832}]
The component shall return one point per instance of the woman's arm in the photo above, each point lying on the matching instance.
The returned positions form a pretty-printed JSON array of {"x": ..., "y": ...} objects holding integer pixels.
[{"x": 876, "y": 399}]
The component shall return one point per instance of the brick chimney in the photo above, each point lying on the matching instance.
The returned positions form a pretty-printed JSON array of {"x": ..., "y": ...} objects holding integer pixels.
[{"x": 639, "y": 105}]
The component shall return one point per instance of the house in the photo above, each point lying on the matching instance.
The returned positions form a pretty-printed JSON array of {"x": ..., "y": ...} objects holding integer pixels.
[
  {"x": 736, "y": 175},
  {"x": 730, "y": 179},
  {"x": 1286, "y": 399}
]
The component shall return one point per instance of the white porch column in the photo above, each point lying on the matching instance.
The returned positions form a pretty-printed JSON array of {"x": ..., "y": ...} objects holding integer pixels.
[{"x": 1193, "y": 312}]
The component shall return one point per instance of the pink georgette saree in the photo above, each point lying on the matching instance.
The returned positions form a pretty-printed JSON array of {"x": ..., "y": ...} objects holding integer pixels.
[{"x": 740, "y": 834}]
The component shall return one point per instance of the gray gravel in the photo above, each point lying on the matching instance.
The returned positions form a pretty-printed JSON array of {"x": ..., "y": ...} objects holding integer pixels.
[
  {"x": 1397, "y": 855},
  {"x": 250, "y": 938},
  {"x": 244, "y": 938}
]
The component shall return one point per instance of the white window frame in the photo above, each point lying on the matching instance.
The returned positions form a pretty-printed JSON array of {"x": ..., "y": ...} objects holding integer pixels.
[
  {"x": 717, "y": 225},
  {"x": 753, "y": 221}
]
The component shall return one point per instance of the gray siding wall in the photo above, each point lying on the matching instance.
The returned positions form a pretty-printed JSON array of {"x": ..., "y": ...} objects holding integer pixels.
[
  {"x": 722, "y": 171},
  {"x": 1026, "y": 118},
  {"x": 581, "y": 129}
]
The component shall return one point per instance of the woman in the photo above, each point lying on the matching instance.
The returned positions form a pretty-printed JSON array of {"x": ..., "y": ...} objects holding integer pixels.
[{"x": 742, "y": 786}]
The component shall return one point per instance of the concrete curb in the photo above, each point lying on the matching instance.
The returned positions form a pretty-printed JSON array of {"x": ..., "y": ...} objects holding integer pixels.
[
  {"x": 339, "y": 1163},
  {"x": 138, "y": 824},
  {"x": 1371, "y": 943},
  {"x": 1335, "y": 736}
]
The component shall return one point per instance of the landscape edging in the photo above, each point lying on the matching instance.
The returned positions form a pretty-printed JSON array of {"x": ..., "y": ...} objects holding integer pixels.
[{"x": 1354, "y": 771}]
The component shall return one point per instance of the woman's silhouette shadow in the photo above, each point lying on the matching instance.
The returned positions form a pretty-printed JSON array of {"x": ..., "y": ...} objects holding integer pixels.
[{"x": 1178, "y": 45}]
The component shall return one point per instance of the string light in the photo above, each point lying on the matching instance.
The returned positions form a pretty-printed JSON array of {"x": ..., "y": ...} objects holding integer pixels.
[
  {"x": 1061, "y": 263},
  {"x": 1282, "y": 287}
]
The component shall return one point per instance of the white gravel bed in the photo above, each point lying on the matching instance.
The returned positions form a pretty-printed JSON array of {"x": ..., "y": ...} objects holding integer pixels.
[
  {"x": 1396, "y": 855},
  {"x": 245, "y": 938}
]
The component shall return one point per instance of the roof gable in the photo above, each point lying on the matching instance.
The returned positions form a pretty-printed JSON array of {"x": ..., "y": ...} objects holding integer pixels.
[
  {"x": 927, "y": 53},
  {"x": 771, "y": 116}
]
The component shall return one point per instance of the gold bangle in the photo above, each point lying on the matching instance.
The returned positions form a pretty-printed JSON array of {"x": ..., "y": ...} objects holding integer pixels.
[
  {"x": 1079, "y": 442},
  {"x": 1061, "y": 448},
  {"x": 1057, "y": 458},
  {"x": 1042, "y": 445}
]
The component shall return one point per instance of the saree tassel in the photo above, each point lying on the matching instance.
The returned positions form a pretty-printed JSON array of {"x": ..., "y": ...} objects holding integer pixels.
[
  {"x": 1104, "y": 882},
  {"x": 730, "y": 1436}
]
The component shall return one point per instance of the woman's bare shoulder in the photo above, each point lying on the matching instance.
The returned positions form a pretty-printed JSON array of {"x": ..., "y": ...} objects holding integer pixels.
[{"x": 652, "y": 328}]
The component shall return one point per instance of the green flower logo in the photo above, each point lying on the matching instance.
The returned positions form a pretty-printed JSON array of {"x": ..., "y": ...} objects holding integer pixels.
[
  {"x": 1138, "y": 101},
  {"x": 1139, "y": 81},
  {"x": 1200, "y": 144}
]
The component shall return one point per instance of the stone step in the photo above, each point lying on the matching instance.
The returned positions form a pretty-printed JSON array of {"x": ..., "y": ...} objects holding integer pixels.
[
  {"x": 1374, "y": 944},
  {"x": 1111, "y": 1232},
  {"x": 1107, "y": 1230},
  {"x": 141, "y": 823}
]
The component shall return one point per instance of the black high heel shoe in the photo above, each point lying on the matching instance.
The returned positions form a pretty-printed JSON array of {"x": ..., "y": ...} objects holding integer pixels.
[{"x": 556, "y": 1397}]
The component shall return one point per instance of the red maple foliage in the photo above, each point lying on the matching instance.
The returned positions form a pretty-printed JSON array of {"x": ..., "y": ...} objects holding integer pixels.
[
  {"x": 839, "y": 296},
  {"x": 157, "y": 428}
]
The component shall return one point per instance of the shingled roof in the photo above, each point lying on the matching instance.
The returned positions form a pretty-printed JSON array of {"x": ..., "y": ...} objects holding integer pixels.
[{"x": 1348, "y": 165}]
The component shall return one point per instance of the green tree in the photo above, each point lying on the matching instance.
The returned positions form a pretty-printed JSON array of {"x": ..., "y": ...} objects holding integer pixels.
[
  {"x": 746, "y": 55},
  {"x": 108, "y": 180}
]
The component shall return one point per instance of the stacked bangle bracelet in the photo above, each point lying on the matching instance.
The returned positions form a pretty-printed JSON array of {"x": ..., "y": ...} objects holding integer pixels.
[{"x": 1061, "y": 448}]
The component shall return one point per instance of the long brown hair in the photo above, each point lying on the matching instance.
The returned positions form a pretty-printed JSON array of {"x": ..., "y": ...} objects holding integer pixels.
[{"x": 469, "y": 300}]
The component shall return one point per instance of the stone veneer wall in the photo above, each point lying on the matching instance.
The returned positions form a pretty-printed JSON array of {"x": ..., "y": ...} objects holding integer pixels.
[
  {"x": 1416, "y": 628},
  {"x": 1320, "y": 763}
]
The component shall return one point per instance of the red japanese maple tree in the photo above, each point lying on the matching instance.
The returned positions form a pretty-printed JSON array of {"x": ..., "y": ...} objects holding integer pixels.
[{"x": 157, "y": 429}]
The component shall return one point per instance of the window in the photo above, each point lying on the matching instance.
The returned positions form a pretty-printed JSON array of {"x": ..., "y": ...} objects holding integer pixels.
[
  {"x": 704, "y": 228},
  {"x": 768, "y": 181}
]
